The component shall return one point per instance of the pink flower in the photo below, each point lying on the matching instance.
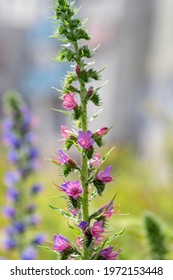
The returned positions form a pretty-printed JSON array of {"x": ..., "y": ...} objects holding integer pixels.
[
  {"x": 72, "y": 189},
  {"x": 98, "y": 241},
  {"x": 107, "y": 210},
  {"x": 69, "y": 101},
  {"x": 85, "y": 139},
  {"x": 74, "y": 211},
  {"x": 60, "y": 243},
  {"x": 105, "y": 176},
  {"x": 65, "y": 132},
  {"x": 107, "y": 254},
  {"x": 102, "y": 131},
  {"x": 96, "y": 159},
  {"x": 79, "y": 242},
  {"x": 97, "y": 229}
]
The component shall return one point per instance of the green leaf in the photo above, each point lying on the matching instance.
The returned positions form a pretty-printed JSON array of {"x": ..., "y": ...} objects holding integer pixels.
[
  {"x": 65, "y": 55},
  {"x": 85, "y": 51},
  {"x": 68, "y": 88},
  {"x": 82, "y": 34},
  {"x": 67, "y": 169},
  {"x": 62, "y": 30},
  {"x": 45, "y": 248},
  {"x": 63, "y": 212},
  {"x": 68, "y": 143},
  {"x": 89, "y": 152},
  {"x": 77, "y": 113},
  {"x": 93, "y": 195},
  {"x": 76, "y": 203},
  {"x": 95, "y": 98},
  {"x": 100, "y": 186},
  {"x": 96, "y": 115},
  {"x": 59, "y": 90},
  {"x": 93, "y": 74},
  {"x": 99, "y": 140},
  {"x": 76, "y": 231},
  {"x": 104, "y": 158},
  {"x": 70, "y": 78},
  {"x": 115, "y": 235},
  {"x": 98, "y": 88},
  {"x": 62, "y": 111},
  {"x": 75, "y": 23}
]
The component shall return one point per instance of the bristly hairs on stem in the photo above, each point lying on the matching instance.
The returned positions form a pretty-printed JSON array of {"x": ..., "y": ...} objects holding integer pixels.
[{"x": 76, "y": 92}]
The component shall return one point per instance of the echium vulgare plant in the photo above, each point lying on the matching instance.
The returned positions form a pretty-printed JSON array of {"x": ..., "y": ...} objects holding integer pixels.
[
  {"x": 18, "y": 135},
  {"x": 77, "y": 91}
]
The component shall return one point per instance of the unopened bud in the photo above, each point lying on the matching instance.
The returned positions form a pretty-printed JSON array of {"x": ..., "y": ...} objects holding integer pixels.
[
  {"x": 90, "y": 92},
  {"x": 102, "y": 131},
  {"x": 78, "y": 70}
]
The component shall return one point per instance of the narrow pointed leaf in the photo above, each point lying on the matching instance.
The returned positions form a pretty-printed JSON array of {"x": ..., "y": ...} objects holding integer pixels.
[
  {"x": 62, "y": 111},
  {"x": 104, "y": 158},
  {"x": 96, "y": 115},
  {"x": 63, "y": 212}
]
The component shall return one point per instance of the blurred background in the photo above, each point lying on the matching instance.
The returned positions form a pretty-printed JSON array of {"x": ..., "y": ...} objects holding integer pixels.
[{"x": 136, "y": 47}]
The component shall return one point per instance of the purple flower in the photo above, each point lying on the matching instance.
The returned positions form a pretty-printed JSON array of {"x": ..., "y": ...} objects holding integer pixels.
[
  {"x": 7, "y": 124},
  {"x": 13, "y": 156},
  {"x": 9, "y": 212},
  {"x": 83, "y": 225},
  {"x": 63, "y": 158},
  {"x": 69, "y": 101},
  {"x": 30, "y": 137},
  {"x": 10, "y": 230},
  {"x": 36, "y": 189},
  {"x": 107, "y": 254},
  {"x": 11, "y": 178},
  {"x": 39, "y": 239},
  {"x": 12, "y": 140},
  {"x": 105, "y": 176},
  {"x": 34, "y": 219},
  {"x": 72, "y": 189},
  {"x": 12, "y": 194},
  {"x": 33, "y": 153},
  {"x": 29, "y": 254},
  {"x": 19, "y": 227},
  {"x": 10, "y": 243},
  {"x": 18, "y": 135},
  {"x": 97, "y": 229},
  {"x": 60, "y": 243},
  {"x": 85, "y": 139}
]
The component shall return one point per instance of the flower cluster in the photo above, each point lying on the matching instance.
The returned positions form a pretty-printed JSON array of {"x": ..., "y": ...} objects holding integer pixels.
[
  {"x": 19, "y": 137},
  {"x": 91, "y": 242}
]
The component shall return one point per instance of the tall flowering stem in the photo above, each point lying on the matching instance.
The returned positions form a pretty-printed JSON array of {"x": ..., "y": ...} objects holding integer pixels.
[
  {"x": 19, "y": 137},
  {"x": 77, "y": 91}
]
